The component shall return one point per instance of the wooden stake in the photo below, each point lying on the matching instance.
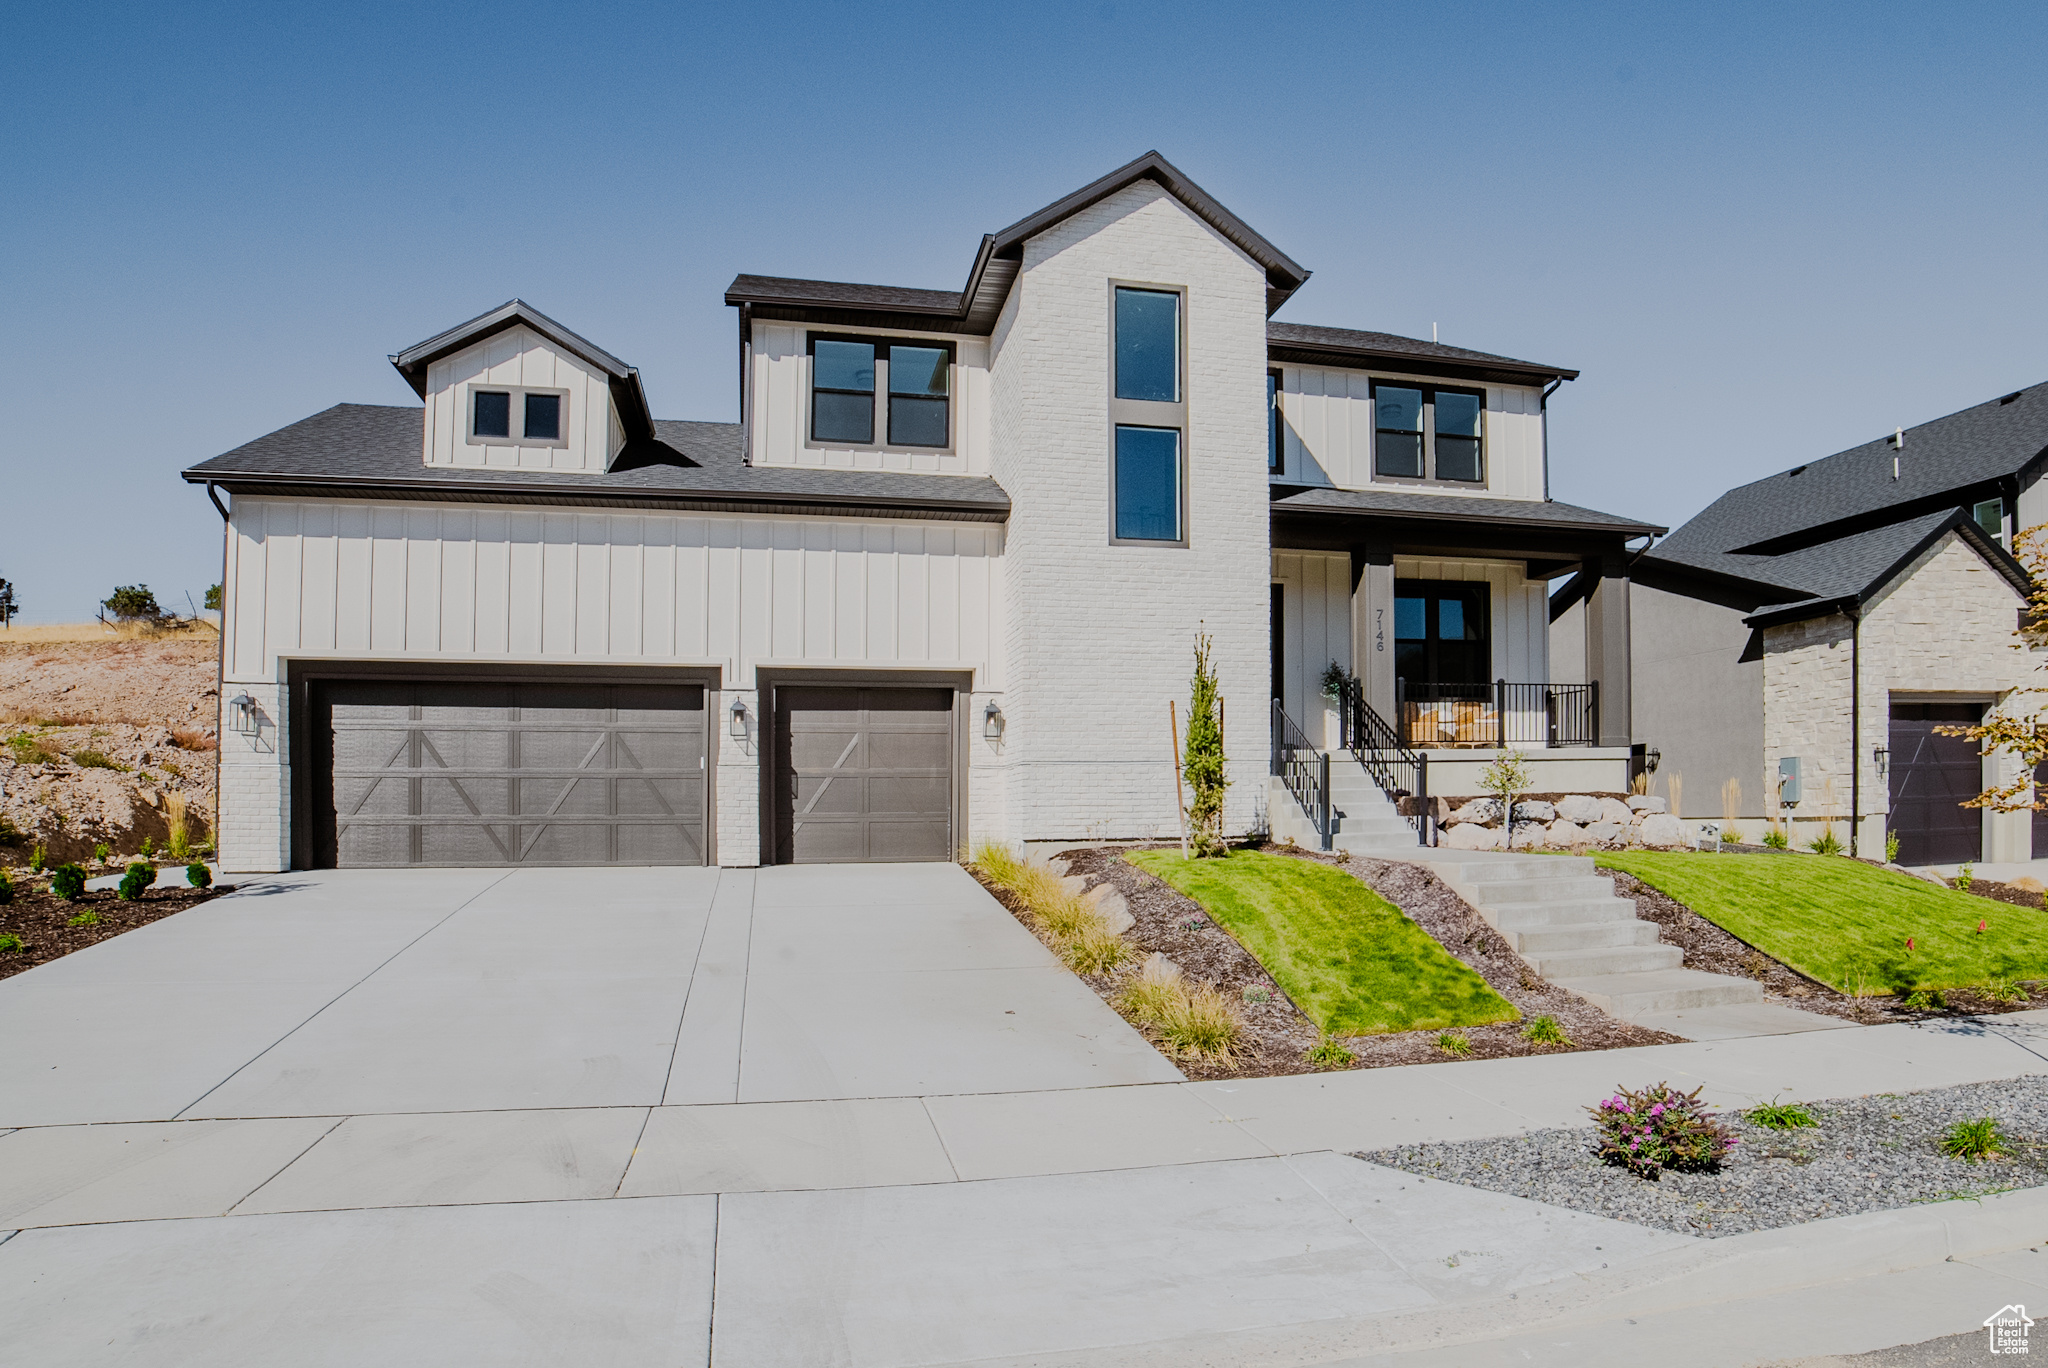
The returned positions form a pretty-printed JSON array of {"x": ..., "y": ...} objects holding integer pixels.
[{"x": 1180, "y": 801}]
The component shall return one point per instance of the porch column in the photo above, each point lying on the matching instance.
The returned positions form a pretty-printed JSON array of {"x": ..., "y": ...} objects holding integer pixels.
[
  {"x": 1372, "y": 627},
  {"x": 1607, "y": 650}
]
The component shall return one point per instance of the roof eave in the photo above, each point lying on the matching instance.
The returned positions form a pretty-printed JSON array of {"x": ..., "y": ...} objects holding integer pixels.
[
  {"x": 1410, "y": 363},
  {"x": 1624, "y": 530}
]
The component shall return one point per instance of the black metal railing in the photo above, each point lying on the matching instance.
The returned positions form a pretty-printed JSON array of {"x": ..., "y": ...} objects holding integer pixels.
[
  {"x": 1401, "y": 774},
  {"x": 1497, "y": 714},
  {"x": 1305, "y": 771}
]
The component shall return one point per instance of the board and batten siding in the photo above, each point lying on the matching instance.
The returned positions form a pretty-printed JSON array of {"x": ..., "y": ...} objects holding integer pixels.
[
  {"x": 1327, "y": 427},
  {"x": 483, "y": 584},
  {"x": 520, "y": 358},
  {"x": 779, "y": 406},
  {"x": 1315, "y": 630}
]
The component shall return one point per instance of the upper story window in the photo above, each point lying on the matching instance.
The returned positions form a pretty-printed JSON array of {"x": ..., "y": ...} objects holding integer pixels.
[
  {"x": 1990, "y": 515},
  {"x": 539, "y": 422},
  {"x": 1428, "y": 432},
  {"x": 848, "y": 373},
  {"x": 1149, "y": 417},
  {"x": 1275, "y": 449}
]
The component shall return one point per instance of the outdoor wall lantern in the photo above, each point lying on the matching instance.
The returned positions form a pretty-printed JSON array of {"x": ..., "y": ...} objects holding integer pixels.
[
  {"x": 1880, "y": 757},
  {"x": 992, "y": 721},
  {"x": 739, "y": 719},
  {"x": 242, "y": 715},
  {"x": 1652, "y": 758}
]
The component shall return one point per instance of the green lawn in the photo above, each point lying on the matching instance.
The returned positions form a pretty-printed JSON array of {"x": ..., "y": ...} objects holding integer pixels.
[
  {"x": 1352, "y": 961},
  {"x": 1846, "y": 923}
]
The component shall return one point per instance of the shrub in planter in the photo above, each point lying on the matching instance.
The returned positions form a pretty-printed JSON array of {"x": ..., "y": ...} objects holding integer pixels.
[
  {"x": 198, "y": 875},
  {"x": 136, "y": 881},
  {"x": 1652, "y": 1129},
  {"x": 67, "y": 881}
]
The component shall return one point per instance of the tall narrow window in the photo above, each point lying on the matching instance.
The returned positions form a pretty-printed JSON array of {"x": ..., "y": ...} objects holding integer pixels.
[
  {"x": 493, "y": 414},
  {"x": 544, "y": 417},
  {"x": 1397, "y": 443},
  {"x": 842, "y": 391},
  {"x": 1990, "y": 515},
  {"x": 1147, "y": 484},
  {"x": 1275, "y": 451},
  {"x": 918, "y": 401},
  {"x": 1148, "y": 345},
  {"x": 1457, "y": 436}
]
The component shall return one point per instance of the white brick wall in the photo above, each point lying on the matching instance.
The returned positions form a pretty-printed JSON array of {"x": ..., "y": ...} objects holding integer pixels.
[
  {"x": 1945, "y": 627},
  {"x": 1098, "y": 638},
  {"x": 255, "y": 786}
]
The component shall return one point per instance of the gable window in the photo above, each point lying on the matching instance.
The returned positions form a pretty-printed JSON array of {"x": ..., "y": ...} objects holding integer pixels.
[
  {"x": 1275, "y": 450},
  {"x": 1990, "y": 515},
  {"x": 544, "y": 417},
  {"x": 493, "y": 414},
  {"x": 1429, "y": 432},
  {"x": 848, "y": 375},
  {"x": 1148, "y": 417}
]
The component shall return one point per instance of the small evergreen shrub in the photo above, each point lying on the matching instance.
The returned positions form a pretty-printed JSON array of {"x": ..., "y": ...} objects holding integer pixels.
[
  {"x": 1775, "y": 1115},
  {"x": 10, "y": 943},
  {"x": 1651, "y": 1129},
  {"x": 198, "y": 875},
  {"x": 148, "y": 846},
  {"x": 101, "y": 853},
  {"x": 1202, "y": 762},
  {"x": 1924, "y": 1000},
  {"x": 1544, "y": 1030},
  {"x": 67, "y": 881},
  {"x": 1891, "y": 847},
  {"x": 38, "y": 858},
  {"x": 1327, "y": 1053},
  {"x": 1965, "y": 876},
  {"x": 137, "y": 880},
  {"x": 1971, "y": 1141},
  {"x": 85, "y": 918}
]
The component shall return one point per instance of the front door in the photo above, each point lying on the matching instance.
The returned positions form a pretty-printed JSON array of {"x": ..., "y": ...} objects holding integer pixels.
[
  {"x": 1443, "y": 655},
  {"x": 1931, "y": 777}
]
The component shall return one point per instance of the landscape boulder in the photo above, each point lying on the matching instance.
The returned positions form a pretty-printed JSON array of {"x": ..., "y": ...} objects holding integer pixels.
[
  {"x": 1615, "y": 811},
  {"x": 1579, "y": 808},
  {"x": 1110, "y": 903},
  {"x": 1564, "y": 833},
  {"x": 1662, "y": 829},
  {"x": 1644, "y": 803},
  {"x": 1530, "y": 836},
  {"x": 1471, "y": 836},
  {"x": 1481, "y": 810},
  {"x": 1599, "y": 833},
  {"x": 1535, "y": 810}
]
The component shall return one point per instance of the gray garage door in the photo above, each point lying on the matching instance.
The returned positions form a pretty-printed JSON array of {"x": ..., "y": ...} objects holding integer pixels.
[
  {"x": 1931, "y": 777},
  {"x": 445, "y": 773},
  {"x": 864, "y": 774}
]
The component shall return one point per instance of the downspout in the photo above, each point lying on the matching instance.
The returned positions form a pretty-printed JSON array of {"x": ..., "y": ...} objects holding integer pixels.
[
  {"x": 746, "y": 348},
  {"x": 220, "y": 665},
  {"x": 1854, "y": 612},
  {"x": 1543, "y": 409}
]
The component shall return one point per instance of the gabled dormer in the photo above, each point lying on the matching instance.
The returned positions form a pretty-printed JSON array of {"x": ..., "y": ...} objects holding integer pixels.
[{"x": 515, "y": 390}]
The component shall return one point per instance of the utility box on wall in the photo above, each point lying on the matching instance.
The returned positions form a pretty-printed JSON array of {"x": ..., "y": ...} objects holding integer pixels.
[{"x": 1788, "y": 781}]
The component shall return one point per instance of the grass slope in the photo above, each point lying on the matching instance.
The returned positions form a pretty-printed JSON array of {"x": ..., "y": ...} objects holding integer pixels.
[
  {"x": 1846, "y": 923},
  {"x": 1352, "y": 961}
]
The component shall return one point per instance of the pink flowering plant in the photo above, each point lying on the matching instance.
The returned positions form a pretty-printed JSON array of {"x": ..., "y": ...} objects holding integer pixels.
[{"x": 1652, "y": 1129}]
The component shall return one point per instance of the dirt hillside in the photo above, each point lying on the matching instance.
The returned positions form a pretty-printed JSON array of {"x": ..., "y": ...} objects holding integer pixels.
[{"x": 95, "y": 739}]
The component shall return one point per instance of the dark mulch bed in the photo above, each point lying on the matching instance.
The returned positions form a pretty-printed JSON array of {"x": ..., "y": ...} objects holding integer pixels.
[
  {"x": 1999, "y": 892},
  {"x": 1709, "y": 947},
  {"x": 42, "y": 921},
  {"x": 1276, "y": 1033}
]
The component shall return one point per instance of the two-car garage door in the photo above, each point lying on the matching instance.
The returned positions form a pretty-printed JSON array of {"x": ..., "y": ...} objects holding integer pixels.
[{"x": 480, "y": 773}]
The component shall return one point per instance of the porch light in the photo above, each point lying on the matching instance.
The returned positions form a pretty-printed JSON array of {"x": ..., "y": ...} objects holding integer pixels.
[
  {"x": 992, "y": 721},
  {"x": 1651, "y": 758},
  {"x": 739, "y": 720},
  {"x": 242, "y": 715},
  {"x": 1880, "y": 757}
]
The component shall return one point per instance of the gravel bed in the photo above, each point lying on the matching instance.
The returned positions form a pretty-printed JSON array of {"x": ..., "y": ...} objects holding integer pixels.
[{"x": 1868, "y": 1154}]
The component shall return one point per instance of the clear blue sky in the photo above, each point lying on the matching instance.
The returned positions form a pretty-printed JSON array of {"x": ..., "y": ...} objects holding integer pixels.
[{"x": 1763, "y": 233}]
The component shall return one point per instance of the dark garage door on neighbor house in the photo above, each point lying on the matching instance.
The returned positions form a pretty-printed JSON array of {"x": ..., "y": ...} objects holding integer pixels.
[
  {"x": 488, "y": 773},
  {"x": 863, "y": 774},
  {"x": 1931, "y": 777}
]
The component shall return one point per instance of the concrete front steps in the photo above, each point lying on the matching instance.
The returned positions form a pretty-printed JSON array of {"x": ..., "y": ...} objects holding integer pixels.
[
  {"x": 1367, "y": 823},
  {"x": 1572, "y": 928}
]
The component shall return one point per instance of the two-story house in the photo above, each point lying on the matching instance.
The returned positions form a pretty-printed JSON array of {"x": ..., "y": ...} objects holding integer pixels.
[
  {"x": 1804, "y": 641},
  {"x": 940, "y": 583}
]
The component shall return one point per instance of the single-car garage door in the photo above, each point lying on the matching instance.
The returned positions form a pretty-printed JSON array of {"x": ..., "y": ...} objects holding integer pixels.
[
  {"x": 1931, "y": 777},
  {"x": 479, "y": 773},
  {"x": 864, "y": 774}
]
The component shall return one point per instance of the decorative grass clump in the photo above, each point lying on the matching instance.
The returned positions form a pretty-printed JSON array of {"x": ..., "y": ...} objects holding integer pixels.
[
  {"x": 1073, "y": 926},
  {"x": 1544, "y": 1030},
  {"x": 1652, "y": 1129},
  {"x": 1350, "y": 960},
  {"x": 92, "y": 759},
  {"x": 1973, "y": 1141},
  {"x": 1855, "y": 927},
  {"x": 1327, "y": 1053},
  {"x": 85, "y": 918},
  {"x": 1454, "y": 1043},
  {"x": 1192, "y": 1020},
  {"x": 1776, "y": 1115}
]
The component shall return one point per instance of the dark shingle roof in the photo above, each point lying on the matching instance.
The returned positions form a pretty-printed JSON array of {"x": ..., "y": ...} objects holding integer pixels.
[
  {"x": 1458, "y": 508},
  {"x": 753, "y": 289},
  {"x": 370, "y": 449},
  {"x": 1342, "y": 343}
]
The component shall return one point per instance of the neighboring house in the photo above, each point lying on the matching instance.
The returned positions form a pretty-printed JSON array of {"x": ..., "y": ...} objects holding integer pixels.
[
  {"x": 1807, "y": 634},
  {"x": 939, "y": 584}
]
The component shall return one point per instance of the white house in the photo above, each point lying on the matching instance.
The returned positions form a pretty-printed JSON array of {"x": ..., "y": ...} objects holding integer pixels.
[{"x": 940, "y": 583}]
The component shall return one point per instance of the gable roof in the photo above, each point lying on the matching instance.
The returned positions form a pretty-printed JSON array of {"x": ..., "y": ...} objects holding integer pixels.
[
  {"x": 1310, "y": 345},
  {"x": 973, "y": 309},
  {"x": 624, "y": 380},
  {"x": 373, "y": 451}
]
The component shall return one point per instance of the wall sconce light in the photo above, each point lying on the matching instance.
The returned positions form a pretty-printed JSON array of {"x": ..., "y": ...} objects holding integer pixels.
[
  {"x": 992, "y": 722},
  {"x": 1881, "y": 757},
  {"x": 242, "y": 715},
  {"x": 739, "y": 720},
  {"x": 1651, "y": 758}
]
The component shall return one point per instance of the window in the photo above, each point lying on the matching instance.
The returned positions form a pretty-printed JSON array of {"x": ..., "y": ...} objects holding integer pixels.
[
  {"x": 842, "y": 391},
  {"x": 544, "y": 417},
  {"x": 1440, "y": 634},
  {"x": 847, "y": 373},
  {"x": 1275, "y": 449},
  {"x": 1148, "y": 416},
  {"x": 1423, "y": 432},
  {"x": 1990, "y": 515},
  {"x": 493, "y": 414}
]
